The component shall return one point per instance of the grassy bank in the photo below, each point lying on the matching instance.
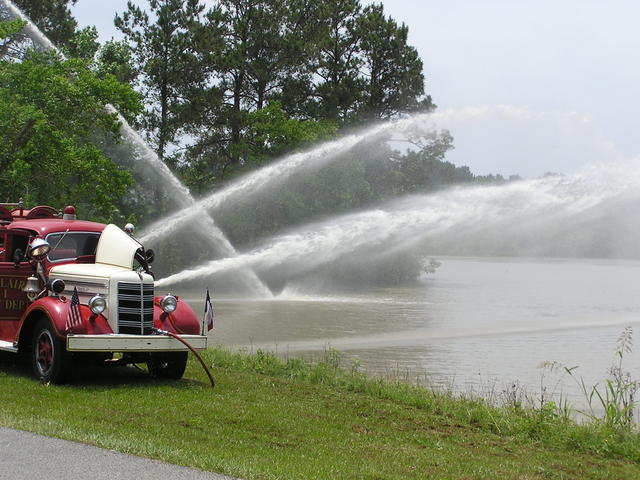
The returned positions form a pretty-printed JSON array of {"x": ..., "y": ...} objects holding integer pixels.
[{"x": 269, "y": 418}]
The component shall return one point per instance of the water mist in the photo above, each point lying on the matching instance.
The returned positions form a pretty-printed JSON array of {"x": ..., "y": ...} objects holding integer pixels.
[{"x": 467, "y": 220}]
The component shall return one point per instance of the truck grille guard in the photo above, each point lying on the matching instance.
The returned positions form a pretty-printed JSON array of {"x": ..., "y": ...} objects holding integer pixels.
[{"x": 135, "y": 308}]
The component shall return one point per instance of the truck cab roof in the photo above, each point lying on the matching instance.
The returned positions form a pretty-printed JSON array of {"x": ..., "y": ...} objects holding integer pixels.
[
  {"x": 43, "y": 220},
  {"x": 45, "y": 226}
]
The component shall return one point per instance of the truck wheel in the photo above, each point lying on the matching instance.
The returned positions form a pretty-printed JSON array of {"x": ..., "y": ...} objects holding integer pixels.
[
  {"x": 49, "y": 355},
  {"x": 169, "y": 365}
]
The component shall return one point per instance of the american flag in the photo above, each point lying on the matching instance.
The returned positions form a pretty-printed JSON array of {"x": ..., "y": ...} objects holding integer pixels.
[
  {"x": 74, "y": 319},
  {"x": 208, "y": 312}
]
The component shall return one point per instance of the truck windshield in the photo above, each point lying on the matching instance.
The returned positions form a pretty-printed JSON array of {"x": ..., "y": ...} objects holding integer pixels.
[{"x": 71, "y": 245}]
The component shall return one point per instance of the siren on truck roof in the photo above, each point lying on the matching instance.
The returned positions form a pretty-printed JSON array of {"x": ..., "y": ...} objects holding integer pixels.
[{"x": 69, "y": 213}]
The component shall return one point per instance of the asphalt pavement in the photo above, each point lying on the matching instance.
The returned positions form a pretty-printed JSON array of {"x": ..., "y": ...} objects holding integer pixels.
[{"x": 25, "y": 455}]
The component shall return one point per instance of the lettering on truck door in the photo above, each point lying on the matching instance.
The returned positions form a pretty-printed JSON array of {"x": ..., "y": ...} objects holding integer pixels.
[{"x": 13, "y": 301}]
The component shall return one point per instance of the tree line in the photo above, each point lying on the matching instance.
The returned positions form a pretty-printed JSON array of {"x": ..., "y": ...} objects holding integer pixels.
[{"x": 247, "y": 80}]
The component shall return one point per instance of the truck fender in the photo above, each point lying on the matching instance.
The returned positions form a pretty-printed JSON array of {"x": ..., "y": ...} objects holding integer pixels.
[
  {"x": 57, "y": 311},
  {"x": 182, "y": 320},
  {"x": 48, "y": 307}
]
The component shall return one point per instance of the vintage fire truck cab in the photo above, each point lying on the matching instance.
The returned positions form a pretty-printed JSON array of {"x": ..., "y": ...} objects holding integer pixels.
[{"x": 73, "y": 290}]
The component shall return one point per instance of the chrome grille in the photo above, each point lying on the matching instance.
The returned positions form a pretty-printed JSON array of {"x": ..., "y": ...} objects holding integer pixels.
[{"x": 135, "y": 308}]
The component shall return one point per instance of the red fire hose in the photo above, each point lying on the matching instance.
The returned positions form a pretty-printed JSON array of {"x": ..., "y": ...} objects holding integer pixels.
[{"x": 181, "y": 340}]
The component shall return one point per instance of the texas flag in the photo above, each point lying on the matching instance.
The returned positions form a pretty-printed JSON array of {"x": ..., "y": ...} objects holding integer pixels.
[{"x": 209, "y": 319}]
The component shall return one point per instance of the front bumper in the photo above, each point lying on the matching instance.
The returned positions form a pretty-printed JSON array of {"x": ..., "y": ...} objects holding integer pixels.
[{"x": 133, "y": 343}]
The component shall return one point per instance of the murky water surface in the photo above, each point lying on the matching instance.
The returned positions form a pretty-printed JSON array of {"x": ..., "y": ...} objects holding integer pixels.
[{"x": 476, "y": 324}]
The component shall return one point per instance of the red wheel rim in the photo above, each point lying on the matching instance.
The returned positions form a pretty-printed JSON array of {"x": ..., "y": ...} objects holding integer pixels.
[{"x": 44, "y": 353}]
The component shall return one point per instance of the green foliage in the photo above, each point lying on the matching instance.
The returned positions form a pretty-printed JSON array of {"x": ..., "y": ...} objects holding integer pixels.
[
  {"x": 264, "y": 43},
  {"x": 114, "y": 58},
  {"x": 271, "y": 133},
  {"x": 11, "y": 37},
  {"x": 268, "y": 134},
  {"x": 236, "y": 85},
  {"x": 84, "y": 44},
  {"x": 10, "y": 28},
  {"x": 50, "y": 111}
]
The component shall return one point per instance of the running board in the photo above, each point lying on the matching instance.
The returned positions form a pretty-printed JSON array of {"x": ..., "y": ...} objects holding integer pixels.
[{"x": 8, "y": 347}]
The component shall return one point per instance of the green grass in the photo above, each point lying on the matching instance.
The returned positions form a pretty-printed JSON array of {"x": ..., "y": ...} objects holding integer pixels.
[{"x": 269, "y": 418}]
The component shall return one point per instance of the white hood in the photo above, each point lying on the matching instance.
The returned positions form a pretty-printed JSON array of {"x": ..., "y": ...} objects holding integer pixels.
[{"x": 116, "y": 248}]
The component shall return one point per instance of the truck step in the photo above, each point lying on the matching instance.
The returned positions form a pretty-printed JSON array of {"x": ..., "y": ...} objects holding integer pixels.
[{"x": 8, "y": 346}]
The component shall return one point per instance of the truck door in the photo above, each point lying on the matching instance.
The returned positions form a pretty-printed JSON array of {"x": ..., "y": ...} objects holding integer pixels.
[{"x": 13, "y": 301}]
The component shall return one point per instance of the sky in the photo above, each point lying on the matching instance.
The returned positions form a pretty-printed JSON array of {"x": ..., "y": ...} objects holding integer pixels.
[{"x": 524, "y": 86}]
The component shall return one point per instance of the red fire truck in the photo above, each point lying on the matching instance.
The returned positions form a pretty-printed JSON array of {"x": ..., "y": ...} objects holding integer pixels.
[{"x": 73, "y": 290}]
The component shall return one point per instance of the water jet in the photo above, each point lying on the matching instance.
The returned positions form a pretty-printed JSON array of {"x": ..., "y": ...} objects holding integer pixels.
[{"x": 519, "y": 213}]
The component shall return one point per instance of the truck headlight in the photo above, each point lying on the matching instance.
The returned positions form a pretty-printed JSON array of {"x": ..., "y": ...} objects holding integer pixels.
[
  {"x": 56, "y": 285},
  {"x": 97, "y": 304},
  {"x": 168, "y": 303},
  {"x": 39, "y": 249}
]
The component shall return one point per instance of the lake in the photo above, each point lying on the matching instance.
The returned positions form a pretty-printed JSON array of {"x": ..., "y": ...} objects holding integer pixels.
[{"x": 477, "y": 325}]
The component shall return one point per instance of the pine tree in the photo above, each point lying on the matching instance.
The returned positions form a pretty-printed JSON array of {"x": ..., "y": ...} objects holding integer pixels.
[
  {"x": 338, "y": 61},
  {"x": 164, "y": 46},
  {"x": 393, "y": 81}
]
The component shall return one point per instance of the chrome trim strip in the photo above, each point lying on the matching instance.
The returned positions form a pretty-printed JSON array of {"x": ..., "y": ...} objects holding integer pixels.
[{"x": 132, "y": 343}]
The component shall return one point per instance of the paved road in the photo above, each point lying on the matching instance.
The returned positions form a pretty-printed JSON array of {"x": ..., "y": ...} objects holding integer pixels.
[{"x": 27, "y": 456}]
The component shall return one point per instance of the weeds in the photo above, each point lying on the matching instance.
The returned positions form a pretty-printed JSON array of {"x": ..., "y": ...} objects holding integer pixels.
[
  {"x": 561, "y": 408},
  {"x": 514, "y": 396},
  {"x": 616, "y": 397}
]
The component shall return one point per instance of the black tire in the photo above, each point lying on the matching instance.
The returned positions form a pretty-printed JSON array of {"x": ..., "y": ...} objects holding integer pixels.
[
  {"x": 48, "y": 354},
  {"x": 169, "y": 365}
]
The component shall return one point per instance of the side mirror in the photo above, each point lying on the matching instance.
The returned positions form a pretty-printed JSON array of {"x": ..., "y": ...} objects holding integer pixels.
[
  {"x": 151, "y": 255},
  {"x": 18, "y": 256}
]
